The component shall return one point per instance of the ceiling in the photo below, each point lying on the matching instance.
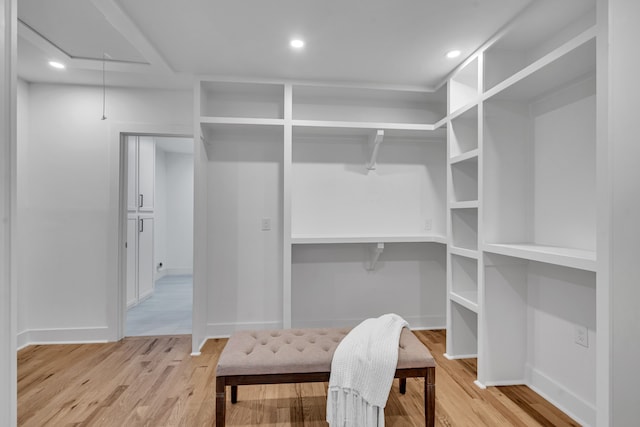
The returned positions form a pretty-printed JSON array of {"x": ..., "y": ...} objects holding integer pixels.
[{"x": 164, "y": 43}]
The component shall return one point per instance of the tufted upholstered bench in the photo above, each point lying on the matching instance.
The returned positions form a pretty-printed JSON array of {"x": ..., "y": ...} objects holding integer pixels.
[{"x": 304, "y": 355}]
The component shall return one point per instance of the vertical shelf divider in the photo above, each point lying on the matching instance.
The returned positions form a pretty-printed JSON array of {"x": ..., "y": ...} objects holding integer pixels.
[{"x": 286, "y": 211}]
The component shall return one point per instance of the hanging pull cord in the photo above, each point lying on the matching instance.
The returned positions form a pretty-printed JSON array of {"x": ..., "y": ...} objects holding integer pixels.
[{"x": 104, "y": 86}]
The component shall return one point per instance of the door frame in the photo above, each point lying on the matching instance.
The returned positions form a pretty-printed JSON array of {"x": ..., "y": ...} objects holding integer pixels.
[{"x": 117, "y": 295}]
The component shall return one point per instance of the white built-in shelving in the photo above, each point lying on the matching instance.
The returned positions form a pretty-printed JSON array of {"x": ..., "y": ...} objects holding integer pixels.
[
  {"x": 310, "y": 186},
  {"x": 521, "y": 266},
  {"x": 463, "y": 202}
]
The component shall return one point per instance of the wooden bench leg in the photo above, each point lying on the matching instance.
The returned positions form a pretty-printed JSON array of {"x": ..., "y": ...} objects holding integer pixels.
[
  {"x": 403, "y": 385},
  {"x": 234, "y": 394},
  {"x": 221, "y": 402},
  {"x": 430, "y": 397}
]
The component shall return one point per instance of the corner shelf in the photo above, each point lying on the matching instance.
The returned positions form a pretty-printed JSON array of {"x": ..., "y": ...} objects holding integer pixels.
[
  {"x": 566, "y": 64},
  {"x": 469, "y": 204},
  {"x": 467, "y": 299},
  {"x": 468, "y": 253},
  {"x": 568, "y": 257},
  {"x": 464, "y": 85},
  {"x": 469, "y": 155}
]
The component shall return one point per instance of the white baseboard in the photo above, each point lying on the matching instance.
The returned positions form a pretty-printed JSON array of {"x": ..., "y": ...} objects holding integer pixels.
[
  {"x": 416, "y": 323},
  {"x": 480, "y": 385},
  {"x": 179, "y": 271},
  {"x": 504, "y": 383},
  {"x": 159, "y": 274},
  {"x": 460, "y": 356},
  {"x": 144, "y": 296},
  {"x": 566, "y": 400},
  {"x": 22, "y": 339},
  {"x": 63, "y": 336},
  {"x": 224, "y": 330}
]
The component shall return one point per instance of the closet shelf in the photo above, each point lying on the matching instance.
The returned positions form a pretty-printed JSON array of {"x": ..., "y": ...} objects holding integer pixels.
[
  {"x": 311, "y": 239},
  {"x": 460, "y": 111},
  {"x": 469, "y": 155},
  {"x": 240, "y": 121},
  {"x": 470, "y": 204},
  {"x": 467, "y": 299},
  {"x": 569, "y": 62},
  {"x": 468, "y": 253},
  {"x": 364, "y": 125},
  {"x": 567, "y": 257}
]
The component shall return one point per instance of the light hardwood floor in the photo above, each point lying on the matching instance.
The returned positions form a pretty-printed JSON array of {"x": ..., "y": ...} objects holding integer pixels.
[{"x": 153, "y": 381}]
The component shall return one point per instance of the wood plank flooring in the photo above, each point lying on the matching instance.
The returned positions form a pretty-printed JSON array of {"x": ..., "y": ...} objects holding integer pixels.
[{"x": 153, "y": 381}]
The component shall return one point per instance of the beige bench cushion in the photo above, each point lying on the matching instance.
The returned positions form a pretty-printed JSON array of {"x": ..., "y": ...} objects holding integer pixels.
[{"x": 295, "y": 351}]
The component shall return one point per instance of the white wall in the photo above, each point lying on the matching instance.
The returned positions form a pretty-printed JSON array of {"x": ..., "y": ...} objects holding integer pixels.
[
  {"x": 22, "y": 167},
  {"x": 70, "y": 201},
  {"x": 245, "y": 264},
  {"x": 8, "y": 303},
  {"x": 331, "y": 285},
  {"x": 624, "y": 204},
  {"x": 334, "y": 194},
  {"x": 179, "y": 191},
  {"x": 559, "y": 299},
  {"x": 160, "y": 214}
]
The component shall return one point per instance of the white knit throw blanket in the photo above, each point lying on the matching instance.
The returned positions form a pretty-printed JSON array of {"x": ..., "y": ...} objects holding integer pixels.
[{"x": 362, "y": 372}]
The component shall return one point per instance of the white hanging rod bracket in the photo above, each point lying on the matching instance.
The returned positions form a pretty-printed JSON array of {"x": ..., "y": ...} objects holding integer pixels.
[
  {"x": 375, "y": 254},
  {"x": 374, "y": 142}
]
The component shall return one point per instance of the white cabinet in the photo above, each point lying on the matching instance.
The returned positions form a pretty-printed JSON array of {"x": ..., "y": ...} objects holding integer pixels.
[
  {"x": 141, "y": 173},
  {"x": 139, "y": 258},
  {"x": 146, "y": 173},
  {"x": 145, "y": 257},
  {"x": 132, "y": 261},
  {"x": 140, "y": 220}
]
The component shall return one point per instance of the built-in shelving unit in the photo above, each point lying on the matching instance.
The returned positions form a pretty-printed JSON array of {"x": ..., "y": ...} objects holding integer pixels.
[
  {"x": 474, "y": 206},
  {"x": 358, "y": 179},
  {"x": 368, "y": 183},
  {"x": 521, "y": 259},
  {"x": 464, "y": 152}
]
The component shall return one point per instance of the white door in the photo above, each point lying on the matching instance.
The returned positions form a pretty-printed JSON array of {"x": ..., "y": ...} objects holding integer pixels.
[
  {"x": 145, "y": 257},
  {"x": 146, "y": 173},
  {"x": 132, "y": 265}
]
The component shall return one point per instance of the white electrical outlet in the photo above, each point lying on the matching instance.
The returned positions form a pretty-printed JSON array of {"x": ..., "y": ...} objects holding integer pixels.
[
  {"x": 265, "y": 224},
  {"x": 428, "y": 225},
  {"x": 581, "y": 335}
]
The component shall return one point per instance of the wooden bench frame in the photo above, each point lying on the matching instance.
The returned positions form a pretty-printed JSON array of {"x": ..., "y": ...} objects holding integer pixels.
[{"x": 428, "y": 373}]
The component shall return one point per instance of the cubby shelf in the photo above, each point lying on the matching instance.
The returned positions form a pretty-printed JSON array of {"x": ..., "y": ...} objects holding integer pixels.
[
  {"x": 559, "y": 68},
  {"x": 464, "y": 252},
  {"x": 467, "y": 299},
  {"x": 568, "y": 257},
  {"x": 308, "y": 239},
  {"x": 364, "y": 125},
  {"x": 469, "y": 155},
  {"x": 470, "y": 204}
]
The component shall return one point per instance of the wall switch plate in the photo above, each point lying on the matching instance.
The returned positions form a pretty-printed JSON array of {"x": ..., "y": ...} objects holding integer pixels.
[
  {"x": 581, "y": 335},
  {"x": 265, "y": 224}
]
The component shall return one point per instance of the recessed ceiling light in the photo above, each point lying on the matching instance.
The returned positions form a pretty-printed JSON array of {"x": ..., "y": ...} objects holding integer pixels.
[
  {"x": 453, "y": 54},
  {"x": 297, "y": 43},
  {"x": 56, "y": 64}
]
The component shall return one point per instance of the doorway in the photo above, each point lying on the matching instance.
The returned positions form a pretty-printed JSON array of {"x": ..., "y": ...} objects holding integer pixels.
[{"x": 159, "y": 242}]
